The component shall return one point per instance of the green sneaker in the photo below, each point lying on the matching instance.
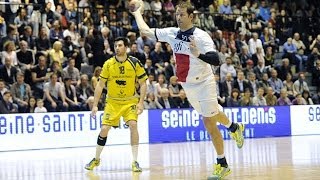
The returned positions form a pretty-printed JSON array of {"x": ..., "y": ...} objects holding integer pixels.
[
  {"x": 93, "y": 163},
  {"x": 238, "y": 135},
  {"x": 219, "y": 172},
  {"x": 136, "y": 167}
]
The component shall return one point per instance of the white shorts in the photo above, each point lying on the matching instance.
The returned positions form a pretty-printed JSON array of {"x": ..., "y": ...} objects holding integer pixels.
[{"x": 203, "y": 97}]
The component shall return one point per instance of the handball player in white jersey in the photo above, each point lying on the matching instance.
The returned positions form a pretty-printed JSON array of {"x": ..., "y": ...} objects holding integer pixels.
[{"x": 194, "y": 53}]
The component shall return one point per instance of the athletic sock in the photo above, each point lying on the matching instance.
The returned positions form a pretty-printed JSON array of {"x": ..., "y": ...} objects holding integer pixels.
[
  {"x": 134, "y": 149},
  {"x": 222, "y": 162},
  {"x": 233, "y": 127}
]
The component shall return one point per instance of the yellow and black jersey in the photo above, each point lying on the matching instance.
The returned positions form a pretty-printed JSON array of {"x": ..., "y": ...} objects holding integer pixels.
[{"x": 121, "y": 77}]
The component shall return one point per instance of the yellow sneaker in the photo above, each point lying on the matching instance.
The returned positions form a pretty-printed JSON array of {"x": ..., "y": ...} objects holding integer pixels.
[
  {"x": 93, "y": 163},
  {"x": 238, "y": 135},
  {"x": 219, "y": 172},
  {"x": 136, "y": 167}
]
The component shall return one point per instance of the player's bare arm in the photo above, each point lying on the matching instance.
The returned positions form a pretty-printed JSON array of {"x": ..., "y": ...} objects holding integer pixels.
[
  {"x": 209, "y": 57},
  {"x": 143, "y": 93},
  {"x": 97, "y": 94},
  {"x": 143, "y": 27}
]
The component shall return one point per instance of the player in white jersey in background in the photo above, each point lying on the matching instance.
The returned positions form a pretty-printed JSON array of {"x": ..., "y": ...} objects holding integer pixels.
[{"x": 194, "y": 52}]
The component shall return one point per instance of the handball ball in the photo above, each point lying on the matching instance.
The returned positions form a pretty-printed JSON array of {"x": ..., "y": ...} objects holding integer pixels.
[{"x": 135, "y": 4}]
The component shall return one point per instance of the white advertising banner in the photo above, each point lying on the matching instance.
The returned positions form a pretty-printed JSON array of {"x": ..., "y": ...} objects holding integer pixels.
[
  {"x": 305, "y": 120},
  {"x": 61, "y": 129}
]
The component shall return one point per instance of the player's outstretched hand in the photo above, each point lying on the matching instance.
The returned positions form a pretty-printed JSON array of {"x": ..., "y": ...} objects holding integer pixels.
[
  {"x": 139, "y": 10},
  {"x": 140, "y": 108},
  {"x": 193, "y": 47},
  {"x": 94, "y": 111}
]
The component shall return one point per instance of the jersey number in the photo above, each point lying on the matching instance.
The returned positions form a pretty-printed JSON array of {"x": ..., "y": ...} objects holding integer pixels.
[{"x": 121, "y": 68}]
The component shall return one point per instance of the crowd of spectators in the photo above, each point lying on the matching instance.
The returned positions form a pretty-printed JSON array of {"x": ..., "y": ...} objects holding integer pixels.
[{"x": 52, "y": 52}]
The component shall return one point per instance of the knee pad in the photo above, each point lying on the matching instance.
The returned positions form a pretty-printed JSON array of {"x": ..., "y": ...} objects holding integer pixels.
[{"x": 101, "y": 140}]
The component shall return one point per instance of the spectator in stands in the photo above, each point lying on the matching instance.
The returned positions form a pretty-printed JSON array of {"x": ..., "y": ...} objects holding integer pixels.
[
  {"x": 72, "y": 72},
  {"x": 246, "y": 99},
  {"x": 315, "y": 43},
  {"x": 316, "y": 97},
  {"x": 25, "y": 56},
  {"x": 300, "y": 85},
  {"x": 8, "y": 72},
  {"x": 27, "y": 36},
  {"x": 297, "y": 42},
  {"x": 312, "y": 58},
  {"x": 288, "y": 86},
  {"x": 258, "y": 55},
  {"x": 21, "y": 92},
  {"x": 146, "y": 51},
  {"x": 170, "y": 69},
  {"x": 56, "y": 32},
  {"x": 271, "y": 99},
  {"x": 149, "y": 102},
  {"x": 316, "y": 74},
  {"x": 88, "y": 104},
  {"x": 225, "y": 8},
  {"x": 142, "y": 41},
  {"x": 3, "y": 26},
  {"x": 156, "y": 7},
  {"x": 254, "y": 84},
  {"x": 227, "y": 86},
  {"x": 241, "y": 83},
  {"x": 71, "y": 51},
  {"x": 243, "y": 25},
  {"x": 267, "y": 39},
  {"x": 284, "y": 69},
  {"x": 42, "y": 42},
  {"x": 290, "y": 51},
  {"x": 3, "y": 88},
  {"x": 227, "y": 67},
  {"x": 48, "y": 15},
  {"x": 71, "y": 13},
  {"x": 307, "y": 97},
  {"x": 223, "y": 53},
  {"x": 248, "y": 69},
  {"x": 160, "y": 85},
  {"x": 235, "y": 59},
  {"x": 165, "y": 101},
  {"x": 259, "y": 70},
  {"x": 72, "y": 32},
  {"x": 275, "y": 82},
  {"x": 254, "y": 42},
  {"x": 135, "y": 53},
  {"x": 150, "y": 69},
  {"x": 12, "y": 35},
  {"x": 264, "y": 11},
  {"x": 31, "y": 105},
  {"x": 151, "y": 88},
  {"x": 219, "y": 40},
  {"x": 299, "y": 100},
  {"x": 259, "y": 100},
  {"x": 95, "y": 77},
  {"x": 234, "y": 99},
  {"x": 255, "y": 23},
  {"x": 174, "y": 88},
  {"x": 56, "y": 53},
  {"x": 6, "y": 105},
  {"x": 244, "y": 55},
  {"x": 9, "y": 52},
  {"x": 84, "y": 90},
  {"x": 283, "y": 27},
  {"x": 283, "y": 100},
  {"x": 97, "y": 47},
  {"x": 71, "y": 97},
  {"x": 22, "y": 20},
  {"x": 269, "y": 57},
  {"x": 54, "y": 97},
  {"x": 183, "y": 100},
  {"x": 40, "y": 107},
  {"x": 39, "y": 77}
]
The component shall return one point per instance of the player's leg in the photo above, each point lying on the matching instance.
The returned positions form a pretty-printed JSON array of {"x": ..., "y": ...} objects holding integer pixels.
[
  {"x": 131, "y": 117},
  {"x": 110, "y": 118},
  {"x": 221, "y": 169},
  {"x": 101, "y": 142}
]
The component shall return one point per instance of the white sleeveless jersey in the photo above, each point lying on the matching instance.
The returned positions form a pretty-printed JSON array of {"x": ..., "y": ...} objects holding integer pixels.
[{"x": 190, "y": 69}]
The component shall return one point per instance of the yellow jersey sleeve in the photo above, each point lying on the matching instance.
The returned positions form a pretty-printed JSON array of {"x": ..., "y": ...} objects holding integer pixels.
[
  {"x": 140, "y": 72},
  {"x": 104, "y": 75}
]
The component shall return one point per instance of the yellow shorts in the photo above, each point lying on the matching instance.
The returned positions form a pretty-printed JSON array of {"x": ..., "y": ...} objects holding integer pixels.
[{"x": 115, "y": 109}]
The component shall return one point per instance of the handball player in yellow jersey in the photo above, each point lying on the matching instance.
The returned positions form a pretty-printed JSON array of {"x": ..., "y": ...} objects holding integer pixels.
[{"x": 120, "y": 74}]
